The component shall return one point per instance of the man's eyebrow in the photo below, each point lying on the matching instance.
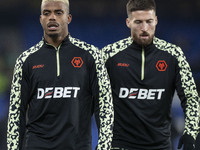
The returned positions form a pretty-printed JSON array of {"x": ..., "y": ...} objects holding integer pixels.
[
  {"x": 137, "y": 20},
  {"x": 46, "y": 10},
  {"x": 59, "y": 10}
]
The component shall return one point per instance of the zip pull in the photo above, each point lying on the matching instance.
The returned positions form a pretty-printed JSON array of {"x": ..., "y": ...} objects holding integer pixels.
[
  {"x": 58, "y": 60},
  {"x": 143, "y": 63}
]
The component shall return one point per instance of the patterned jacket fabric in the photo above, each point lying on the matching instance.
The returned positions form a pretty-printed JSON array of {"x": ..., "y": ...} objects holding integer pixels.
[
  {"x": 54, "y": 93},
  {"x": 144, "y": 80}
]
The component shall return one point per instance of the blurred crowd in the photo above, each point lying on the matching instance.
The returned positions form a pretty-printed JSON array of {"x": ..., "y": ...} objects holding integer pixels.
[{"x": 98, "y": 22}]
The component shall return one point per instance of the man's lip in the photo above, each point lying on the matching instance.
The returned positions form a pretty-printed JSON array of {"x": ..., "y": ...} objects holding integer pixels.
[
  {"x": 52, "y": 28},
  {"x": 144, "y": 36},
  {"x": 52, "y": 25}
]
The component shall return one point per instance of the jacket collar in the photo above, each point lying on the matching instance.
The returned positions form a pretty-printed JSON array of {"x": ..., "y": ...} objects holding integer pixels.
[{"x": 65, "y": 40}]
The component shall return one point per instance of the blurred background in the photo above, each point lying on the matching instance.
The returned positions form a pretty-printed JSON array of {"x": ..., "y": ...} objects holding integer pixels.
[{"x": 98, "y": 22}]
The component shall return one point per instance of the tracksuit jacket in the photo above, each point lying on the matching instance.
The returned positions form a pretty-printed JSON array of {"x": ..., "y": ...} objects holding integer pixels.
[
  {"x": 53, "y": 96},
  {"x": 143, "y": 81}
]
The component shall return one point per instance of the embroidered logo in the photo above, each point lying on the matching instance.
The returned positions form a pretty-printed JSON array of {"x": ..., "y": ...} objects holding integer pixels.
[
  {"x": 161, "y": 65},
  {"x": 77, "y": 62},
  {"x": 123, "y": 65},
  {"x": 37, "y": 66}
]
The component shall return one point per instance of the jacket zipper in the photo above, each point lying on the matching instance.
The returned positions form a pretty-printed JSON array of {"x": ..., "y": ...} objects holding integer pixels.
[
  {"x": 143, "y": 64},
  {"x": 57, "y": 58}
]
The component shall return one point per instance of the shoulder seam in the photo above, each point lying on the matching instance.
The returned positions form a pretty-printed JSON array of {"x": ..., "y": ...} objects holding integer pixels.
[
  {"x": 30, "y": 51},
  {"x": 114, "y": 48},
  {"x": 81, "y": 44},
  {"x": 168, "y": 47}
]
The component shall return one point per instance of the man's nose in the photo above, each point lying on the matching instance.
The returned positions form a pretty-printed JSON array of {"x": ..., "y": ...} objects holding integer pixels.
[
  {"x": 144, "y": 26},
  {"x": 52, "y": 16}
]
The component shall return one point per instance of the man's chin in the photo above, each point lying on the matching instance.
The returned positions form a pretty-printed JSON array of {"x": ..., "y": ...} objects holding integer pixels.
[
  {"x": 144, "y": 42},
  {"x": 53, "y": 35}
]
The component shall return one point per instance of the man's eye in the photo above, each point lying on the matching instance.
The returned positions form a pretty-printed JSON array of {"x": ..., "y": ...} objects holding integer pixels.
[
  {"x": 149, "y": 21},
  {"x": 46, "y": 13},
  {"x": 137, "y": 22},
  {"x": 59, "y": 13}
]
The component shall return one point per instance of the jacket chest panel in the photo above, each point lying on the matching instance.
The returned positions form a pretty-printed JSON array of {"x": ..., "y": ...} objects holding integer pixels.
[
  {"x": 69, "y": 69},
  {"x": 157, "y": 69}
]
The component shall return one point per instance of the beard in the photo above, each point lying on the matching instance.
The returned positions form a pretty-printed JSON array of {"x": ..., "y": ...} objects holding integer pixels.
[
  {"x": 53, "y": 35},
  {"x": 144, "y": 42}
]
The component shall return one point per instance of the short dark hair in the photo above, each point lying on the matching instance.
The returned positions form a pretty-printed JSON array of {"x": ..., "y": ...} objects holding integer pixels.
[{"x": 134, "y": 5}]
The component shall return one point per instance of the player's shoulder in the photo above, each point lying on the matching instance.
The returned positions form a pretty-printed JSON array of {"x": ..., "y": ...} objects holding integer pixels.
[
  {"x": 167, "y": 46},
  {"x": 164, "y": 45},
  {"x": 112, "y": 49},
  {"x": 89, "y": 48},
  {"x": 24, "y": 55},
  {"x": 120, "y": 45},
  {"x": 82, "y": 44}
]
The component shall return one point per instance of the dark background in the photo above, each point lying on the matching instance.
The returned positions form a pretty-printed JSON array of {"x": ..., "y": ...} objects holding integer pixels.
[{"x": 98, "y": 22}]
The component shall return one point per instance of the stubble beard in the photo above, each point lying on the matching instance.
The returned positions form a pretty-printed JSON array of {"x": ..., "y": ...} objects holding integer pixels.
[
  {"x": 53, "y": 35},
  {"x": 143, "y": 42}
]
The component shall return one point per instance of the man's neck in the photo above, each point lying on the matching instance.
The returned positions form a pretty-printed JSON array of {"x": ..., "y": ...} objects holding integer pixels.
[{"x": 54, "y": 41}]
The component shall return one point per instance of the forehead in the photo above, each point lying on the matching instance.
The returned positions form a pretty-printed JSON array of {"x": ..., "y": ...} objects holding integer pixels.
[
  {"x": 143, "y": 14},
  {"x": 53, "y": 5}
]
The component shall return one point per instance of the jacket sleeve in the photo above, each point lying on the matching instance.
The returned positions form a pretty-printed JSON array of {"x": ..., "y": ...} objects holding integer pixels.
[
  {"x": 18, "y": 106},
  {"x": 104, "y": 113},
  {"x": 188, "y": 95}
]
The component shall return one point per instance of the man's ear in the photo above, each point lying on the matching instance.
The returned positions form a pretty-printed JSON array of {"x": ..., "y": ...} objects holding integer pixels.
[
  {"x": 69, "y": 18},
  {"x": 40, "y": 19},
  {"x": 156, "y": 20},
  {"x": 128, "y": 22}
]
